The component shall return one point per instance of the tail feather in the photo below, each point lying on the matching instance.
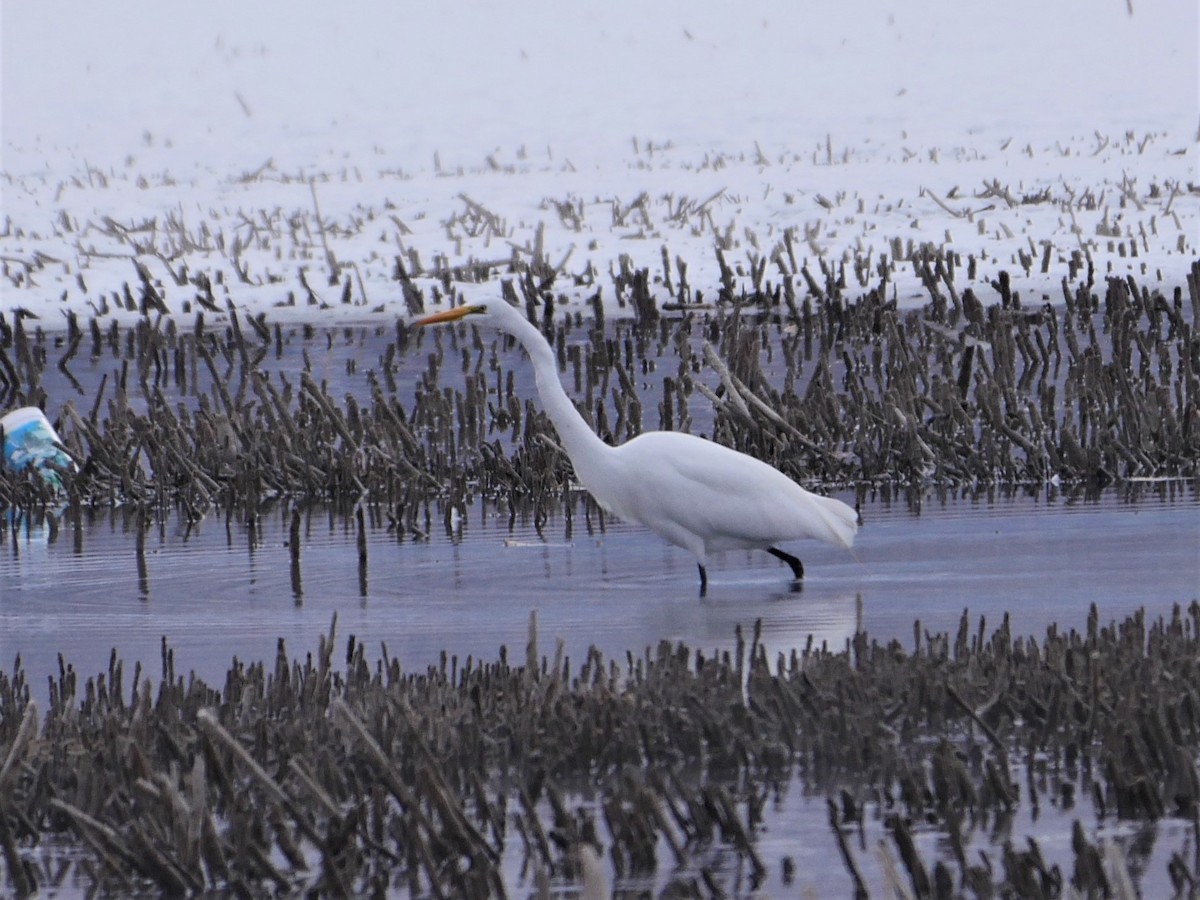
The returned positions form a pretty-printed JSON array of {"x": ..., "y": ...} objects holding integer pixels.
[{"x": 841, "y": 520}]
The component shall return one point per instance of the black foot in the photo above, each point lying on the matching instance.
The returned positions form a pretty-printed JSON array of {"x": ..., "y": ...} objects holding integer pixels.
[
  {"x": 797, "y": 566},
  {"x": 703, "y": 580}
]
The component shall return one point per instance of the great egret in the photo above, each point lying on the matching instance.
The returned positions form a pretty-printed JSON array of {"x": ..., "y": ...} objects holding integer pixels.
[{"x": 697, "y": 494}]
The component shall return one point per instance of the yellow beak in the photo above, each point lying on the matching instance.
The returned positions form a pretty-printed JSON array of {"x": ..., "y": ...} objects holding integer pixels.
[{"x": 447, "y": 315}]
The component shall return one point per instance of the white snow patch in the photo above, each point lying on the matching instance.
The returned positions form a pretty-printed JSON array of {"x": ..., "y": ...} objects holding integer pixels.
[{"x": 191, "y": 139}]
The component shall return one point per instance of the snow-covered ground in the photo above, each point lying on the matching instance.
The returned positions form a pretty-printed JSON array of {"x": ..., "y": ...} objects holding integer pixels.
[{"x": 199, "y": 141}]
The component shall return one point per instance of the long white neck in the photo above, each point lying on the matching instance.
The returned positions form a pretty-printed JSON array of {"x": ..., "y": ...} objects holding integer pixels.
[{"x": 585, "y": 449}]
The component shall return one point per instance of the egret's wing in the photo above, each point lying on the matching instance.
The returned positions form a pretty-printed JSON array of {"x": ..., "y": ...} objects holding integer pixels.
[{"x": 726, "y": 498}]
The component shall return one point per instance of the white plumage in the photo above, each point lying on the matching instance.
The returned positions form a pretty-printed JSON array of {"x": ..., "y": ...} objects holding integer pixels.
[{"x": 697, "y": 494}]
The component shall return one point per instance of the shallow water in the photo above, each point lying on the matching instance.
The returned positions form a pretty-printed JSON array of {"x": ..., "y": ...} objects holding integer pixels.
[{"x": 224, "y": 591}]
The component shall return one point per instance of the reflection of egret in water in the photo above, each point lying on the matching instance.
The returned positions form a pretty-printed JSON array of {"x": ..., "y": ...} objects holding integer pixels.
[
  {"x": 815, "y": 617},
  {"x": 644, "y": 604},
  {"x": 790, "y": 623}
]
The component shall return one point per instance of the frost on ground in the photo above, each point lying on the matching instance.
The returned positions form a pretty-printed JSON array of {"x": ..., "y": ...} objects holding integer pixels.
[
  {"x": 348, "y": 243},
  {"x": 292, "y": 162}
]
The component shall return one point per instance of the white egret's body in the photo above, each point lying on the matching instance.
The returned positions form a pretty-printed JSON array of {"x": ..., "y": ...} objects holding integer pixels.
[{"x": 697, "y": 494}]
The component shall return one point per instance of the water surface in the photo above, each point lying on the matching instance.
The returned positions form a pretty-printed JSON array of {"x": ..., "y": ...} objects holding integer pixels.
[{"x": 223, "y": 590}]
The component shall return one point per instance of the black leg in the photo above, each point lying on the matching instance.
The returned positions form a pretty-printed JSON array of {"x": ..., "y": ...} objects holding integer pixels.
[
  {"x": 703, "y": 580},
  {"x": 797, "y": 566}
]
